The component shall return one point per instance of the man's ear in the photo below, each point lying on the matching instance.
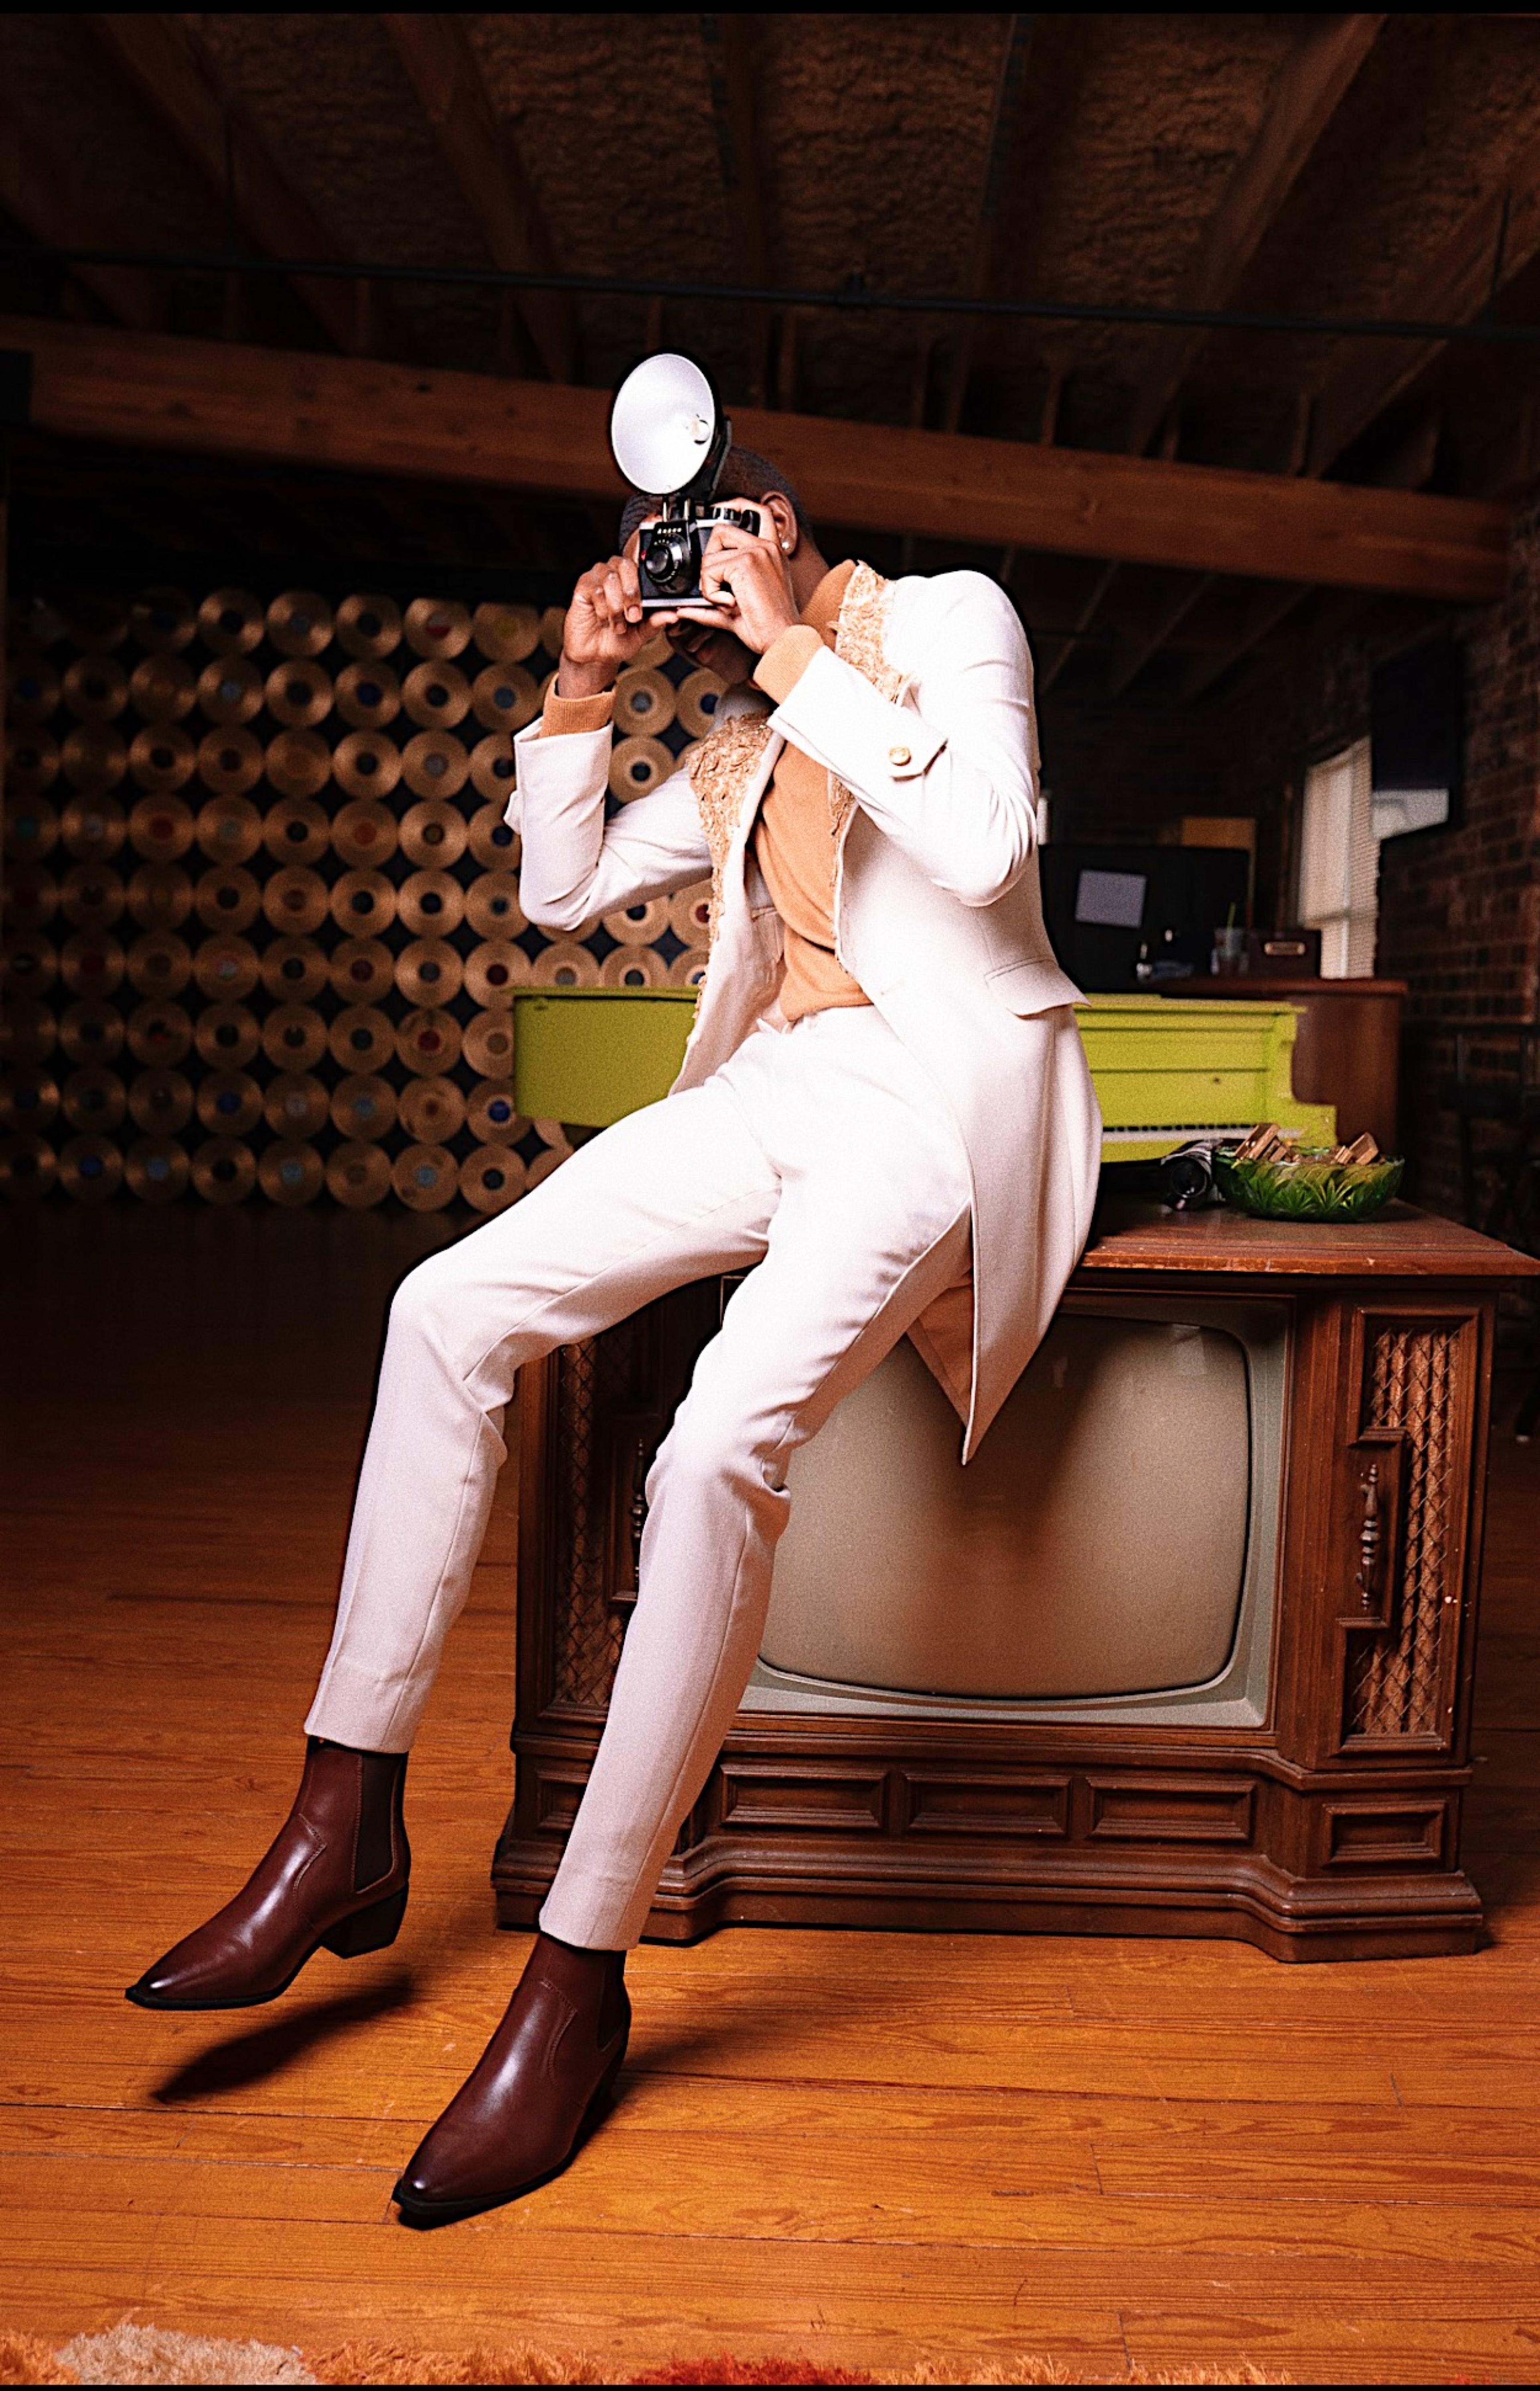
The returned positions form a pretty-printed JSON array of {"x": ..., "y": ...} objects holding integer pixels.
[{"x": 783, "y": 515}]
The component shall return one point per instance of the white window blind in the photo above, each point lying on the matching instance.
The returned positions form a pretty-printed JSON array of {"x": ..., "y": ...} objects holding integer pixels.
[{"x": 1340, "y": 863}]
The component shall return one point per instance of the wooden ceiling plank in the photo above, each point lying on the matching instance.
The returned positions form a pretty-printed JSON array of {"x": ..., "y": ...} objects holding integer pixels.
[
  {"x": 1496, "y": 242},
  {"x": 1271, "y": 610},
  {"x": 999, "y": 167},
  {"x": 176, "y": 76},
  {"x": 1310, "y": 87},
  {"x": 1130, "y": 662},
  {"x": 365, "y": 414},
  {"x": 480, "y": 156},
  {"x": 33, "y": 191},
  {"x": 730, "y": 43}
]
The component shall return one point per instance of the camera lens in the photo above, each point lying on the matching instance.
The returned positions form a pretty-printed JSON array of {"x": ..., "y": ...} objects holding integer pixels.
[{"x": 670, "y": 562}]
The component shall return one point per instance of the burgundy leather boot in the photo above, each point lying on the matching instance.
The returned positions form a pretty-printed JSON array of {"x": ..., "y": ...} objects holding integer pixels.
[
  {"x": 335, "y": 1875},
  {"x": 543, "y": 2079}
]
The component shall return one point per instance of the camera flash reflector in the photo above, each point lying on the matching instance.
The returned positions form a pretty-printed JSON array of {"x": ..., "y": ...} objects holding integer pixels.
[{"x": 663, "y": 425}]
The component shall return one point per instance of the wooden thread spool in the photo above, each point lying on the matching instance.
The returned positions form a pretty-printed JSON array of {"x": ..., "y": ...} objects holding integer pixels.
[
  {"x": 161, "y": 757},
  {"x": 294, "y": 1037},
  {"x": 494, "y": 970},
  {"x": 557, "y": 1150},
  {"x": 368, "y": 625},
  {"x": 363, "y": 903},
  {"x": 160, "y": 895},
  {"x": 359, "y": 1175},
  {"x": 294, "y": 970},
  {"x": 565, "y": 963},
  {"x": 92, "y": 895},
  {"x": 226, "y": 968},
  {"x": 300, "y": 623},
  {"x": 428, "y": 1041},
  {"x": 93, "y": 828},
  {"x": 162, "y": 829},
  {"x": 296, "y": 1104},
  {"x": 294, "y": 900},
  {"x": 637, "y": 767},
  {"x": 366, "y": 766},
  {"x": 29, "y": 1029},
  {"x": 228, "y": 1035},
  {"x": 425, "y": 1178},
  {"x": 494, "y": 770},
  {"x": 229, "y": 900},
  {"x": 94, "y": 1101},
  {"x": 361, "y": 1038},
  {"x": 224, "y": 1170},
  {"x": 690, "y": 913},
  {"x": 695, "y": 702},
  {"x": 437, "y": 627},
  {"x": 298, "y": 763},
  {"x": 488, "y": 1045},
  {"x": 93, "y": 758},
  {"x": 506, "y": 633},
  {"x": 231, "y": 622},
  {"x": 431, "y": 904},
  {"x": 96, "y": 689},
  {"x": 159, "y": 964},
  {"x": 229, "y": 763},
  {"x": 31, "y": 897},
  {"x": 430, "y": 972},
  {"x": 157, "y": 1170},
  {"x": 492, "y": 1177},
  {"x": 633, "y": 967},
  {"x": 362, "y": 971},
  {"x": 91, "y": 1031},
  {"x": 159, "y": 1034},
  {"x": 365, "y": 833},
  {"x": 553, "y": 625},
  {"x": 162, "y": 689},
  {"x": 436, "y": 695},
  {"x": 298, "y": 693},
  {"x": 28, "y": 1167},
  {"x": 291, "y": 1173},
  {"x": 230, "y": 828},
  {"x": 229, "y": 1102},
  {"x": 98, "y": 624},
  {"x": 491, "y": 1114},
  {"x": 432, "y": 1111},
  {"x": 638, "y": 925},
  {"x": 296, "y": 830},
  {"x": 164, "y": 620},
  {"x": 32, "y": 762},
  {"x": 505, "y": 697},
  {"x": 689, "y": 969},
  {"x": 91, "y": 964},
  {"x": 90, "y": 1169},
  {"x": 29, "y": 1099},
  {"x": 434, "y": 764},
  {"x": 363, "y": 1105},
  {"x": 643, "y": 704},
  {"x": 492, "y": 845},
  {"x": 367, "y": 697},
  {"x": 31, "y": 827},
  {"x": 230, "y": 691},
  {"x": 29, "y": 964},
  {"x": 433, "y": 834},
  {"x": 492, "y": 906},
  {"x": 32, "y": 690},
  {"x": 159, "y": 1103}
]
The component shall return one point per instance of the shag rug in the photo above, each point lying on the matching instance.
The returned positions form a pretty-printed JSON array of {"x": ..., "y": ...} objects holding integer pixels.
[{"x": 141, "y": 2353}]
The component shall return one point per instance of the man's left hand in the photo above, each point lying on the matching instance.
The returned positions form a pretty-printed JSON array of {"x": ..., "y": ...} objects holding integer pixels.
[{"x": 748, "y": 581}]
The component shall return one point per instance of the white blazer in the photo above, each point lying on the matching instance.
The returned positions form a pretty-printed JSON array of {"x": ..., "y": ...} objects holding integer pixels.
[{"x": 937, "y": 915}]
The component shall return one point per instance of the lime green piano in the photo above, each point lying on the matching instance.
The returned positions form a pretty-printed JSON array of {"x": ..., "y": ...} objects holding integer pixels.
[{"x": 1166, "y": 1068}]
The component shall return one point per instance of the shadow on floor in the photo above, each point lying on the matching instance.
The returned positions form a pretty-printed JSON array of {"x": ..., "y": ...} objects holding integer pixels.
[{"x": 264, "y": 2051}]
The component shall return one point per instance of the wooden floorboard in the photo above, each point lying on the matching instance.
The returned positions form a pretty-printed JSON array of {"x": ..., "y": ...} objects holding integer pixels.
[{"x": 881, "y": 2148}]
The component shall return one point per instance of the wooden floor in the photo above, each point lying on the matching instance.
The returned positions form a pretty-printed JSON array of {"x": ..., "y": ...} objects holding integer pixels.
[{"x": 885, "y": 2147}]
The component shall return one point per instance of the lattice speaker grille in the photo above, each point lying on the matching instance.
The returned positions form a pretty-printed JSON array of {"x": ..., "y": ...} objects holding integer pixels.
[{"x": 1396, "y": 1676}]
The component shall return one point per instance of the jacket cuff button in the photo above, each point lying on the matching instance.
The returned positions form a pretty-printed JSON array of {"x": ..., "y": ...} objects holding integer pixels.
[{"x": 898, "y": 757}]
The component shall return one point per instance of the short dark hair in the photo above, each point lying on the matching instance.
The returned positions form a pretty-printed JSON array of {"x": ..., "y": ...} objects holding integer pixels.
[{"x": 744, "y": 474}]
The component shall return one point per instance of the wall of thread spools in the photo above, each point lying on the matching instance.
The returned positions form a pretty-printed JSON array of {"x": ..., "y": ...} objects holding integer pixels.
[{"x": 261, "y": 928}]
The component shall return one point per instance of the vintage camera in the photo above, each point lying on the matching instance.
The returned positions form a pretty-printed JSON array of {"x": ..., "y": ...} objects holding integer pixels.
[{"x": 669, "y": 434}]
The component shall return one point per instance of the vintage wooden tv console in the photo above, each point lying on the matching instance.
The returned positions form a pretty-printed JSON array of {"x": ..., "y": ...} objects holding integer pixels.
[{"x": 1331, "y": 1831}]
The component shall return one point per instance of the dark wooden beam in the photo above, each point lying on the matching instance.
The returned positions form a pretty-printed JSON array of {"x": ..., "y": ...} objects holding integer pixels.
[
  {"x": 33, "y": 190},
  {"x": 219, "y": 398},
  {"x": 999, "y": 166},
  {"x": 485, "y": 163},
  {"x": 1267, "y": 611},
  {"x": 1131, "y": 655},
  {"x": 731, "y": 46}
]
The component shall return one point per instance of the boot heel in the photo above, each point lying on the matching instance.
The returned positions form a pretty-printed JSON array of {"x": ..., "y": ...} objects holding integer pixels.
[{"x": 367, "y": 1929}]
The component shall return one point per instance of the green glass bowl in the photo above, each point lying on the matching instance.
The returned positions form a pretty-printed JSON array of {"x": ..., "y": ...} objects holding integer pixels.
[{"x": 1307, "y": 1186}]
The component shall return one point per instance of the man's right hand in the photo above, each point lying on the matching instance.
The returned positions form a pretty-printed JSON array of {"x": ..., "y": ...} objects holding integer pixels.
[{"x": 605, "y": 629}]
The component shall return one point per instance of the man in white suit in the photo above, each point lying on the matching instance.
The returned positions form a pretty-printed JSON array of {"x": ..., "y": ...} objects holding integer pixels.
[{"x": 884, "y": 1105}]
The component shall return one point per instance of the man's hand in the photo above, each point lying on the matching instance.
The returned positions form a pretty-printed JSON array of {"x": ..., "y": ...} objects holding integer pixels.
[
  {"x": 605, "y": 629},
  {"x": 748, "y": 580},
  {"x": 717, "y": 650}
]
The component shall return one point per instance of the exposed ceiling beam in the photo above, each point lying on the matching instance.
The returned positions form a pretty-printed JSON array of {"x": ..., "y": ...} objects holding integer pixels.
[
  {"x": 32, "y": 192},
  {"x": 480, "y": 156},
  {"x": 176, "y": 76},
  {"x": 221, "y": 399},
  {"x": 998, "y": 162},
  {"x": 1259, "y": 620},
  {"x": 1305, "y": 96},
  {"x": 1130, "y": 659},
  {"x": 730, "y": 43},
  {"x": 1494, "y": 242}
]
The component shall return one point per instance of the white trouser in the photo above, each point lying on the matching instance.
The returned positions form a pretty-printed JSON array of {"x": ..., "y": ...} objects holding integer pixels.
[{"x": 816, "y": 1148}]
